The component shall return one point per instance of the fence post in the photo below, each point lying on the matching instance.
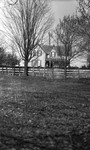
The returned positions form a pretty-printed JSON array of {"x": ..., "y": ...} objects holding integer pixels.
[
  {"x": 2, "y": 69},
  {"x": 19, "y": 70},
  {"x": 14, "y": 71},
  {"x": 52, "y": 73},
  {"x": 39, "y": 71},
  {"x": 78, "y": 73},
  {"x": 33, "y": 71},
  {"x": 44, "y": 72},
  {"x": 6, "y": 70},
  {"x": 86, "y": 74}
]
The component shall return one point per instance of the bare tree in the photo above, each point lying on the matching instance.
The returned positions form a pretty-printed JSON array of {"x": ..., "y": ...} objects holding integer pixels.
[
  {"x": 68, "y": 36},
  {"x": 84, "y": 21},
  {"x": 12, "y": 2},
  {"x": 27, "y": 22},
  {"x": 84, "y": 25}
]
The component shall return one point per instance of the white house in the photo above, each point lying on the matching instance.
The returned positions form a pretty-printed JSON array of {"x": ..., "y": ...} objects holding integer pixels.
[
  {"x": 52, "y": 56},
  {"x": 47, "y": 56}
]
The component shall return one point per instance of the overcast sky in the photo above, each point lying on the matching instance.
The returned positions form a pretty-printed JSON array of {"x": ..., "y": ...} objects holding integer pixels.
[{"x": 62, "y": 8}]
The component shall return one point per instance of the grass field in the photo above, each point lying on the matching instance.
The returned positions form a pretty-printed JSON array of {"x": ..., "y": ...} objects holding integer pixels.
[{"x": 37, "y": 111}]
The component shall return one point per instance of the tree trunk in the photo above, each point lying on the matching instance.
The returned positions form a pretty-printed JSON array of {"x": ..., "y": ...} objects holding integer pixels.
[
  {"x": 65, "y": 66},
  {"x": 65, "y": 72},
  {"x": 26, "y": 67}
]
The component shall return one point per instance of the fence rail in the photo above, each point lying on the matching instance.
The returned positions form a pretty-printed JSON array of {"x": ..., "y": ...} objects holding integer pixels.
[{"x": 55, "y": 73}]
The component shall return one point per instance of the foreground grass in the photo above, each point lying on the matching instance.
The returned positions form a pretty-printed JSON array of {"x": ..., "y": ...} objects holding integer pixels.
[{"x": 37, "y": 111}]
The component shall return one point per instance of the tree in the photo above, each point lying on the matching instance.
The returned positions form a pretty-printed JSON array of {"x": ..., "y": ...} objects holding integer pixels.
[
  {"x": 84, "y": 25},
  {"x": 84, "y": 9},
  {"x": 12, "y": 2},
  {"x": 8, "y": 58},
  {"x": 27, "y": 23},
  {"x": 11, "y": 60},
  {"x": 84, "y": 22},
  {"x": 68, "y": 36},
  {"x": 88, "y": 61},
  {"x": 2, "y": 56}
]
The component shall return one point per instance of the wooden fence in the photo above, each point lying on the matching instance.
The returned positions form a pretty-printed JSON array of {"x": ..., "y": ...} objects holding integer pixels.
[{"x": 55, "y": 73}]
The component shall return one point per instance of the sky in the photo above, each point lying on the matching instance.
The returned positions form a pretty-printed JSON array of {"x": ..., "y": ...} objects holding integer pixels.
[{"x": 63, "y": 8}]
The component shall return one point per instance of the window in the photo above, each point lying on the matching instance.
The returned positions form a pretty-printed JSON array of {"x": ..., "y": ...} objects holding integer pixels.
[
  {"x": 47, "y": 56},
  {"x": 39, "y": 53},
  {"x": 34, "y": 53},
  {"x": 53, "y": 54},
  {"x": 39, "y": 63}
]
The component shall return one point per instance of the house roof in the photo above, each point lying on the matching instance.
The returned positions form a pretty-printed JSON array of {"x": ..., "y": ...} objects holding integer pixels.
[
  {"x": 46, "y": 48},
  {"x": 59, "y": 49}
]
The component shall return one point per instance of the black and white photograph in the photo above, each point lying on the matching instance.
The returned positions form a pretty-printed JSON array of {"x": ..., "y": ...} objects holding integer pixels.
[{"x": 44, "y": 74}]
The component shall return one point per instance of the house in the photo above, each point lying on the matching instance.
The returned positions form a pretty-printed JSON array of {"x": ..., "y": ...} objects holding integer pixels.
[
  {"x": 53, "y": 56},
  {"x": 48, "y": 56}
]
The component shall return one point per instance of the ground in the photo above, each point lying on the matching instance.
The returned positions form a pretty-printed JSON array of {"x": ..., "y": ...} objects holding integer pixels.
[{"x": 36, "y": 113}]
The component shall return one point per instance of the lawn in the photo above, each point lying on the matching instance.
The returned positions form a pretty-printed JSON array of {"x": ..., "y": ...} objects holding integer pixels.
[{"x": 38, "y": 114}]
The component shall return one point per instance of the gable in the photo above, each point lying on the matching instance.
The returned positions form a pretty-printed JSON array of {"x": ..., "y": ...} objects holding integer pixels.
[
  {"x": 60, "y": 50},
  {"x": 53, "y": 50},
  {"x": 53, "y": 53},
  {"x": 46, "y": 48}
]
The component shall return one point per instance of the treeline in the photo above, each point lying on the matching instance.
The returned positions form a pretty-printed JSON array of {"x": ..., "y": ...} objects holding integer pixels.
[{"x": 8, "y": 59}]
